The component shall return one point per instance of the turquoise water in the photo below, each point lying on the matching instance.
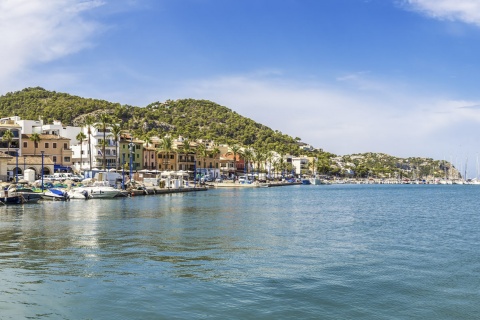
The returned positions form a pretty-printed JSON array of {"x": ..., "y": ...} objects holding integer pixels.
[{"x": 305, "y": 252}]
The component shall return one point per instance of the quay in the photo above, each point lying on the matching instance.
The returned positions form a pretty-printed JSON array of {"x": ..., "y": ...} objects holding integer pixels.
[{"x": 156, "y": 190}]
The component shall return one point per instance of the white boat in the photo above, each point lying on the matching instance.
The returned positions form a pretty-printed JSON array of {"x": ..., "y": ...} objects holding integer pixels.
[
  {"x": 55, "y": 194},
  {"x": 99, "y": 190},
  {"x": 78, "y": 194},
  {"x": 315, "y": 181}
]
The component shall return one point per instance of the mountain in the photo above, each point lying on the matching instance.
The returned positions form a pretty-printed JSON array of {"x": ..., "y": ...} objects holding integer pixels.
[{"x": 195, "y": 119}]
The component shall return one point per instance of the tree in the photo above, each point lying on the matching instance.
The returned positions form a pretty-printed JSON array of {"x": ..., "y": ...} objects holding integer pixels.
[
  {"x": 116, "y": 131},
  {"x": 186, "y": 148},
  {"x": 234, "y": 150},
  {"x": 248, "y": 156},
  {"x": 8, "y": 137},
  {"x": 103, "y": 122},
  {"x": 166, "y": 146},
  {"x": 89, "y": 122},
  {"x": 80, "y": 137},
  {"x": 35, "y": 137},
  {"x": 313, "y": 165},
  {"x": 215, "y": 152},
  {"x": 203, "y": 154}
]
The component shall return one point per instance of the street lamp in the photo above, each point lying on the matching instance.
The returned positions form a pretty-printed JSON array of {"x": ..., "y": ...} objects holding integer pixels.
[
  {"x": 16, "y": 166},
  {"x": 24, "y": 165},
  {"x": 131, "y": 145},
  {"x": 123, "y": 172},
  {"x": 41, "y": 172}
]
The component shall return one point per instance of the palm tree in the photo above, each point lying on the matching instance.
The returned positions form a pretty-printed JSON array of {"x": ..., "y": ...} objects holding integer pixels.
[
  {"x": 35, "y": 137},
  {"x": 80, "y": 137},
  {"x": 275, "y": 163},
  {"x": 247, "y": 155},
  {"x": 89, "y": 122},
  {"x": 8, "y": 137},
  {"x": 116, "y": 131},
  {"x": 166, "y": 145},
  {"x": 268, "y": 159},
  {"x": 186, "y": 148},
  {"x": 234, "y": 150},
  {"x": 214, "y": 152},
  {"x": 103, "y": 122},
  {"x": 202, "y": 151},
  {"x": 313, "y": 165}
]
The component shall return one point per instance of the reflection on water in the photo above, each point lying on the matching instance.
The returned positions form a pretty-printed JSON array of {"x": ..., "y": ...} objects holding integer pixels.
[{"x": 305, "y": 252}]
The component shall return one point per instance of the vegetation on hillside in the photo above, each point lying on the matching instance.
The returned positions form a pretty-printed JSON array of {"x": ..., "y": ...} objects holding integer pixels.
[
  {"x": 203, "y": 119},
  {"x": 195, "y": 119}
]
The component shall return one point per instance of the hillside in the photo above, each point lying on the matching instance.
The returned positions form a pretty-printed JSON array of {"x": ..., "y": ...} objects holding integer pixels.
[
  {"x": 202, "y": 119},
  {"x": 196, "y": 119}
]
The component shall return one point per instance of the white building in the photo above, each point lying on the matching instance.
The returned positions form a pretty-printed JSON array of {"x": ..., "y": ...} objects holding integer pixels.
[
  {"x": 81, "y": 157},
  {"x": 300, "y": 164}
]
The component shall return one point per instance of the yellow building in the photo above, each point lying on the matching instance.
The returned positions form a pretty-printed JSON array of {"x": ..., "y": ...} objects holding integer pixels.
[{"x": 54, "y": 147}]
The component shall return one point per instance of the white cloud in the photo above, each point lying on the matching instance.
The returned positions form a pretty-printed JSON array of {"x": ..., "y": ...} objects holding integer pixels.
[
  {"x": 34, "y": 31},
  {"x": 343, "y": 119},
  {"x": 456, "y": 10}
]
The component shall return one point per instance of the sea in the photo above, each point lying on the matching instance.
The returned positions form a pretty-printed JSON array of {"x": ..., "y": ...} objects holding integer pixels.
[{"x": 294, "y": 252}]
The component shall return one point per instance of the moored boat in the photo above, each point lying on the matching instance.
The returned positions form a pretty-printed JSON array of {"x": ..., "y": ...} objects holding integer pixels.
[
  {"x": 55, "y": 194},
  {"x": 99, "y": 190}
]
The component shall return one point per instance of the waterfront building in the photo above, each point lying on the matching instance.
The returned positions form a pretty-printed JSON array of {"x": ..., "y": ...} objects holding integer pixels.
[
  {"x": 81, "y": 155},
  {"x": 4, "y": 158},
  {"x": 300, "y": 165},
  {"x": 13, "y": 146},
  {"x": 130, "y": 147},
  {"x": 55, "y": 147}
]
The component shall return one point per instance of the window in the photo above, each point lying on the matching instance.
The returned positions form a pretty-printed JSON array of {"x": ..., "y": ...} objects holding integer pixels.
[
  {"x": 25, "y": 144},
  {"x": 65, "y": 146},
  {"x": 54, "y": 158},
  {"x": 171, "y": 156},
  {"x": 54, "y": 145},
  {"x": 36, "y": 144},
  {"x": 66, "y": 159},
  {"x": 47, "y": 145}
]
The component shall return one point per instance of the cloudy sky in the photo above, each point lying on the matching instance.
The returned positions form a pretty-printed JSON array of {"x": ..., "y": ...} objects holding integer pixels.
[{"x": 348, "y": 76}]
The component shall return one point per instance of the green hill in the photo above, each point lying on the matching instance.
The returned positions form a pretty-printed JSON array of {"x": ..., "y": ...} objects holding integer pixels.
[
  {"x": 196, "y": 119},
  {"x": 202, "y": 119}
]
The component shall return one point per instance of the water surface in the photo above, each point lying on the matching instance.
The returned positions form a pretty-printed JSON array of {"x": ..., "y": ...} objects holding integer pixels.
[{"x": 306, "y": 252}]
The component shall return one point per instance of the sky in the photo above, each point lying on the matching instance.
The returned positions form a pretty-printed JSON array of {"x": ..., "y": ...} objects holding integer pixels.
[{"x": 348, "y": 76}]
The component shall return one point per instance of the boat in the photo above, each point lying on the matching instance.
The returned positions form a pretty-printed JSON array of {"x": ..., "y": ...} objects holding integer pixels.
[
  {"x": 315, "y": 181},
  {"x": 55, "y": 194},
  {"x": 99, "y": 190},
  {"x": 27, "y": 194},
  {"x": 78, "y": 194},
  {"x": 6, "y": 200},
  {"x": 306, "y": 181}
]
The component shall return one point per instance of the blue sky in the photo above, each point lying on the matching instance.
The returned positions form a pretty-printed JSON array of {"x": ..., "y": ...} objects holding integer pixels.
[{"x": 348, "y": 76}]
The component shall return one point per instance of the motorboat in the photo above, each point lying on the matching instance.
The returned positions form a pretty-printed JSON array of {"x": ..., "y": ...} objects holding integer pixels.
[
  {"x": 99, "y": 190},
  {"x": 79, "y": 194},
  {"x": 55, "y": 194}
]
